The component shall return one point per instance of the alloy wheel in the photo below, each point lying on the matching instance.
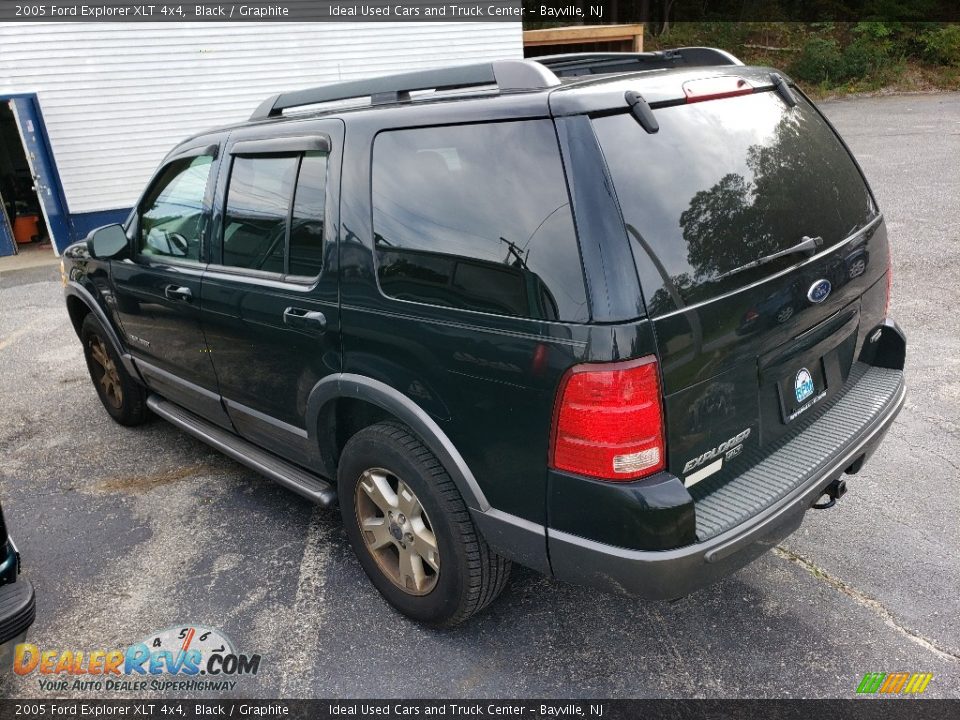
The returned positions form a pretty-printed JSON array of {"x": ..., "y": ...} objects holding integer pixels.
[
  {"x": 107, "y": 376},
  {"x": 397, "y": 532}
]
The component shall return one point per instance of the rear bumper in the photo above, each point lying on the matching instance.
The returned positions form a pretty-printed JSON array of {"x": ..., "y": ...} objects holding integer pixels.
[{"x": 667, "y": 574}]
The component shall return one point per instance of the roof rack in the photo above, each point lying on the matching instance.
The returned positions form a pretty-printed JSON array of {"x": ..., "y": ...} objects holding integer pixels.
[
  {"x": 506, "y": 75},
  {"x": 579, "y": 64}
]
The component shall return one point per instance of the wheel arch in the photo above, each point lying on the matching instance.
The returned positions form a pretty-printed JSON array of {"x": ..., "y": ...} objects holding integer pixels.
[
  {"x": 80, "y": 303},
  {"x": 77, "y": 309},
  {"x": 385, "y": 402}
]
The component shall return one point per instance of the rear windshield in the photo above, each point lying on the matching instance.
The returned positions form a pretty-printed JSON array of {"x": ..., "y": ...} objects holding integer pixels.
[{"x": 724, "y": 183}]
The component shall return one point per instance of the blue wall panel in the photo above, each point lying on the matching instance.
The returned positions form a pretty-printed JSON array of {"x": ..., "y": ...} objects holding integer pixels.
[{"x": 83, "y": 223}]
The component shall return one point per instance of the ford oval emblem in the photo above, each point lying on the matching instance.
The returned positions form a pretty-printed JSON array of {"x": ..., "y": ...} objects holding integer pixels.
[{"x": 819, "y": 291}]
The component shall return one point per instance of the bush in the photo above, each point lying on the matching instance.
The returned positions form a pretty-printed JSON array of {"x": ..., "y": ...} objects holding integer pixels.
[
  {"x": 877, "y": 30},
  {"x": 942, "y": 46},
  {"x": 864, "y": 58},
  {"x": 819, "y": 61}
]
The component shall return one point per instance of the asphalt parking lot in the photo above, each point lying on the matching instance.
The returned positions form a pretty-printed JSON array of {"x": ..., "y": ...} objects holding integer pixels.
[{"x": 125, "y": 532}]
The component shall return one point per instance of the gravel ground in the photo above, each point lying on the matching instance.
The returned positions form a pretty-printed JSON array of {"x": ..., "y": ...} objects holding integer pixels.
[{"x": 126, "y": 532}]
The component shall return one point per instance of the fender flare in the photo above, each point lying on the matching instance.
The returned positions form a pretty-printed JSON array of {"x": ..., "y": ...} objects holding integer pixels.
[
  {"x": 75, "y": 289},
  {"x": 375, "y": 392}
]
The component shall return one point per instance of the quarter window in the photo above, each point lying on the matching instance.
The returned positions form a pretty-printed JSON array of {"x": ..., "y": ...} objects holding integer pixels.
[
  {"x": 477, "y": 217},
  {"x": 171, "y": 216},
  {"x": 274, "y": 218}
]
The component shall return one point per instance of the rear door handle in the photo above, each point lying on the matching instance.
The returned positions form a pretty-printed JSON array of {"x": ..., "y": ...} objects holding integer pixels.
[
  {"x": 175, "y": 292},
  {"x": 304, "y": 319}
]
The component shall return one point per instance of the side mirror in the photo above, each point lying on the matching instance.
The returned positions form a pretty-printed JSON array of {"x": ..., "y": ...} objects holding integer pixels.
[{"x": 107, "y": 242}]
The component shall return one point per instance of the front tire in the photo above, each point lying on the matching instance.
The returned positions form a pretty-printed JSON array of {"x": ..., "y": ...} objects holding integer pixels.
[
  {"x": 411, "y": 530},
  {"x": 122, "y": 396}
]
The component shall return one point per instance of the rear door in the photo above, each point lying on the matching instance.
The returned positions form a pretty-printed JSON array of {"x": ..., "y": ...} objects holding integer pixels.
[
  {"x": 270, "y": 305},
  {"x": 754, "y": 236}
]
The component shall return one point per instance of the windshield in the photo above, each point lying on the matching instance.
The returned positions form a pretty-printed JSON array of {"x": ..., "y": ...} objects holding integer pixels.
[{"x": 724, "y": 183}]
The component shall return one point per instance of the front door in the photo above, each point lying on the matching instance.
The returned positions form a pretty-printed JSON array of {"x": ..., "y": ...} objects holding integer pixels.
[
  {"x": 158, "y": 288},
  {"x": 270, "y": 306}
]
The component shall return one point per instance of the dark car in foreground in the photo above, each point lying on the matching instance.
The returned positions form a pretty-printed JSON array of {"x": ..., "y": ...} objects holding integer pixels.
[
  {"x": 621, "y": 318},
  {"x": 17, "y": 598}
]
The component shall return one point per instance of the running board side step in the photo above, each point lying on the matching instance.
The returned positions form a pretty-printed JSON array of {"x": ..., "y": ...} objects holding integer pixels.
[{"x": 287, "y": 474}]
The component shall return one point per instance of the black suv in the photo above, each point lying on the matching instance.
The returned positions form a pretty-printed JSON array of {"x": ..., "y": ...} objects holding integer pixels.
[{"x": 619, "y": 318}]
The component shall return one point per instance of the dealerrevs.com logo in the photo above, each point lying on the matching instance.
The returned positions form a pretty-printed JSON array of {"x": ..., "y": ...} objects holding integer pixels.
[{"x": 183, "y": 658}]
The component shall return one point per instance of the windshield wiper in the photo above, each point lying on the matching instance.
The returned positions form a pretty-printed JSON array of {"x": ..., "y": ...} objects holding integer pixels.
[{"x": 806, "y": 245}]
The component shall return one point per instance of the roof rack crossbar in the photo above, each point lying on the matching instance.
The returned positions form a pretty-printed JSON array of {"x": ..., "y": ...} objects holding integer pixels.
[
  {"x": 506, "y": 75},
  {"x": 578, "y": 64}
]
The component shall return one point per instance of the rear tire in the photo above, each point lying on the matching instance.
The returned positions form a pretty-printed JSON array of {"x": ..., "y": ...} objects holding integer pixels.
[
  {"x": 122, "y": 396},
  {"x": 411, "y": 530}
]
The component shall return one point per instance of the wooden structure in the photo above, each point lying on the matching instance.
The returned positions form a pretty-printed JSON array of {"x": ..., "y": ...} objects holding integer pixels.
[{"x": 583, "y": 38}]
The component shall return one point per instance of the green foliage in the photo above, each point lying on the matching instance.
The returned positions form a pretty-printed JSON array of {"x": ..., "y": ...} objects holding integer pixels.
[
  {"x": 836, "y": 56},
  {"x": 823, "y": 61},
  {"x": 876, "y": 29},
  {"x": 864, "y": 59},
  {"x": 819, "y": 61},
  {"x": 942, "y": 46},
  {"x": 722, "y": 34}
]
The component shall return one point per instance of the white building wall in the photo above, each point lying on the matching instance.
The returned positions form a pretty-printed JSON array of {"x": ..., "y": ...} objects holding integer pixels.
[{"x": 116, "y": 97}]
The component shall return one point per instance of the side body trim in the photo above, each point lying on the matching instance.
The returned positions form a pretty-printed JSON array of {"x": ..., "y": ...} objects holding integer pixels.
[
  {"x": 514, "y": 538},
  {"x": 193, "y": 397}
]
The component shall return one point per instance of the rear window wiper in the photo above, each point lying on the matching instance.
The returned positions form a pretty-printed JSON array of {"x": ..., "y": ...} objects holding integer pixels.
[
  {"x": 780, "y": 85},
  {"x": 641, "y": 111},
  {"x": 806, "y": 245}
]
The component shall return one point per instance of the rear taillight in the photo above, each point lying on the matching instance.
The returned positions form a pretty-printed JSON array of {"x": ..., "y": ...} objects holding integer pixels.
[{"x": 608, "y": 422}]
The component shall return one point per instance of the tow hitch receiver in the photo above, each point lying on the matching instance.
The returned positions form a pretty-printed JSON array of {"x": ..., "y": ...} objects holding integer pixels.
[{"x": 834, "y": 491}]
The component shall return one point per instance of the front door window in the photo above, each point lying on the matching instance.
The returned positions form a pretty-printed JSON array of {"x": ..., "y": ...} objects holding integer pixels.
[{"x": 171, "y": 216}]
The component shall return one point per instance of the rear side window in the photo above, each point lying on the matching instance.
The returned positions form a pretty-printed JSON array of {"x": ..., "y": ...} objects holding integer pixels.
[
  {"x": 258, "y": 205},
  {"x": 274, "y": 217},
  {"x": 477, "y": 217},
  {"x": 724, "y": 183}
]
